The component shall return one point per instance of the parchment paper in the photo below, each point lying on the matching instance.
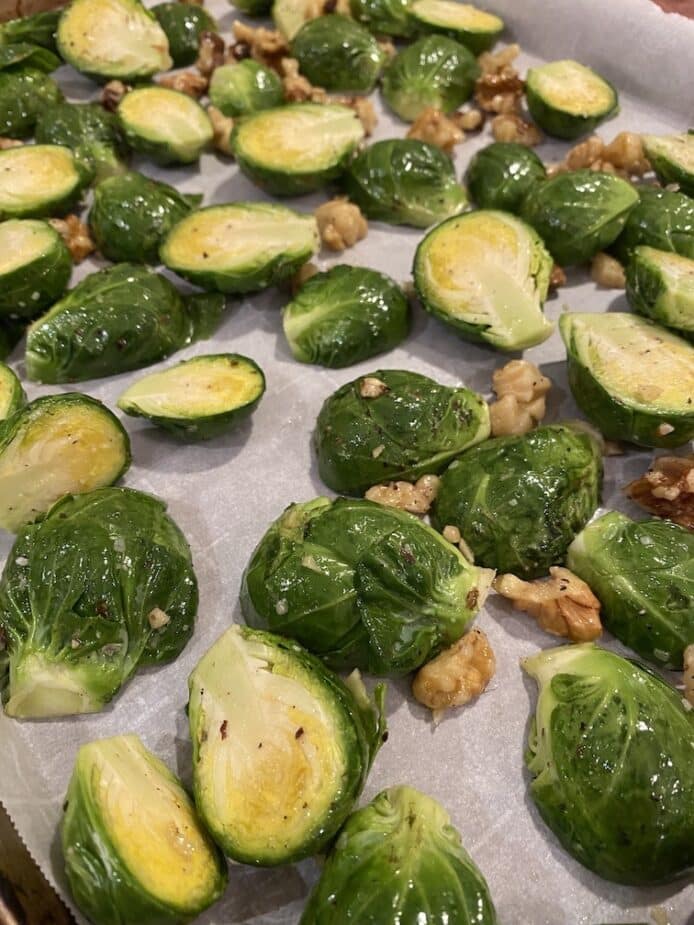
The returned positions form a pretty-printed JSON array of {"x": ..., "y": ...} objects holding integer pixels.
[{"x": 225, "y": 493}]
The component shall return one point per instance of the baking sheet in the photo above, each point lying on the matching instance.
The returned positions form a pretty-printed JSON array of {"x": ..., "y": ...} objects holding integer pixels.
[{"x": 225, "y": 493}]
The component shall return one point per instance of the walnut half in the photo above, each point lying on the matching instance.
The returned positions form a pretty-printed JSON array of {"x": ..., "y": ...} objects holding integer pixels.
[
  {"x": 416, "y": 498},
  {"x": 432, "y": 126},
  {"x": 521, "y": 389},
  {"x": 340, "y": 224},
  {"x": 456, "y": 676},
  {"x": 667, "y": 489}
]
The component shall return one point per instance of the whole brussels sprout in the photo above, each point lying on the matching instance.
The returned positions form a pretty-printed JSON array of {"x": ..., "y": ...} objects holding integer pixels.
[
  {"x": 519, "y": 501},
  {"x": 660, "y": 285},
  {"x": 12, "y": 395},
  {"x": 500, "y": 175},
  {"x": 611, "y": 750},
  {"x": 415, "y": 426},
  {"x": 237, "y": 89},
  {"x": 122, "y": 862},
  {"x": 433, "y": 71},
  {"x": 35, "y": 268},
  {"x": 672, "y": 158},
  {"x": 579, "y": 213},
  {"x": 477, "y": 29},
  {"x": 102, "y": 585},
  {"x": 404, "y": 181},
  {"x": 661, "y": 218},
  {"x": 38, "y": 180},
  {"x": 88, "y": 130},
  {"x": 39, "y": 29},
  {"x": 568, "y": 99},
  {"x": 643, "y": 573},
  {"x": 361, "y": 585},
  {"x": 399, "y": 860},
  {"x": 183, "y": 24},
  {"x": 165, "y": 125},
  {"x": 384, "y": 17},
  {"x": 337, "y": 53},
  {"x": 24, "y": 93},
  {"x": 308, "y": 747}
]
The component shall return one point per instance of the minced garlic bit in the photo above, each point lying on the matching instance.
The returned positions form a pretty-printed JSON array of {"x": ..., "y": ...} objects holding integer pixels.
[
  {"x": 187, "y": 82},
  {"x": 297, "y": 88},
  {"x": 456, "y": 676},
  {"x": 607, "y": 272},
  {"x": 562, "y": 604},
  {"x": 667, "y": 489},
  {"x": 689, "y": 674},
  {"x": 340, "y": 224},
  {"x": 416, "y": 498},
  {"x": 6, "y": 143},
  {"x": 211, "y": 52},
  {"x": 76, "y": 235},
  {"x": 221, "y": 126},
  {"x": 158, "y": 618},
  {"x": 511, "y": 127},
  {"x": 266, "y": 45},
  {"x": 623, "y": 156},
  {"x": 371, "y": 387},
  {"x": 112, "y": 93},
  {"x": 432, "y": 126},
  {"x": 521, "y": 391}
]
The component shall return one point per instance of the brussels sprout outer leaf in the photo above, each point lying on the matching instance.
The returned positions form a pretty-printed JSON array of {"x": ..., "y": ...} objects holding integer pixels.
[
  {"x": 568, "y": 99},
  {"x": 88, "y": 130},
  {"x": 38, "y": 29},
  {"x": 35, "y": 267},
  {"x": 612, "y": 754},
  {"x": 165, "y": 125},
  {"x": 472, "y": 27},
  {"x": 662, "y": 219},
  {"x": 501, "y": 175},
  {"x": 337, "y": 53},
  {"x": 672, "y": 158},
  {"x": 38, "y": 180},
  {"x": 183, "y": 24},
  {"x": 24, "y": 93},
  {"x": 660, "y": 285},
  {"x": 384, "y": 17},
  {"x": 12, "y": 395},
  {"x": 28, "y": 55},
  {"x": 237, "y": 89}
]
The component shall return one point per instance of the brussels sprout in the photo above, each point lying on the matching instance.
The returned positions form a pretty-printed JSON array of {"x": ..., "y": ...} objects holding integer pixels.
[
  {"x": 35, "y": 267},
  {"x": 633, "y": 379},
  {"x": 38, "y": 29},
  {"x": 53, "y": 446},
  {"x": 361, "y": 585},
  {"x": 296, "y": 149},
  {"x": 579, "y": 213},
  {"x": 501, "y": 175},
  {"x": 660, "y": 284},
  {"x": 113, "y": 39},
  {"x": 91, "y": 132},
  {"x": 486, "y": 274},
  {"x": 416, "y": 426},
  {"x": 643, "y": 573},
  {"x": 29, "y": 55},
  {"x": 519, "y": 501},
  {"x": 240, "y": 247},
  {"x": 101, "y": 586},
  {"x": 404, "y": 181},
  {"x": 337, "y": 53},
  {"x": 661, "y": 218},
  {"x": 384, "y": 17},
  {"x": 568, "y": 99},
  {"x": 132, "y": 215},
  {"x": 12, "y": 395},
  {"x": 345, "y": 315},
  {"x": 672, "y": 158},
  {"x": 237, "y": 89},
  {"x": 433, "y": 71},
  {"x": 24, "y": 94},
  {"x": 120, "y": 318},
  {"x": 168, "y": 126},
  {"x": 612, "y": 753},
  {"x": 134, "y": 848},
  {"x": 308, "y": 747},
  {"x": 11, "y": 332},
  {"x": 183, "y": 24},
  {"x": 38, "y": 180},
  {"x": 254, "y": 7},
  {"x": 474, "y": 28},
  {"x": 399, "y": 860},
  {"x": 199, "y": 398}
]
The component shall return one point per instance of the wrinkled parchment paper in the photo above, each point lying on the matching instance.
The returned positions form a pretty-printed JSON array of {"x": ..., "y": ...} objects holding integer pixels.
[{"x": 225, "y": 493}]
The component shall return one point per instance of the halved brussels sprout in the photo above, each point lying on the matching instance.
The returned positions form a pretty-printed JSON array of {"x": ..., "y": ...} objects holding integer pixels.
[
  {"x": 633, "y": 379},
  {"x": 519, "y": 501},
  {"x": 199, "y": 398},
  {"x": 501, "y": 175},
  {"x": 24, "y": 93},
  {"x": 237, "y": 89},
  {"x": 38, "y": 180},
  {"x": 384, "y": 17},
  {"x": 35, "y": 267},
  {"x": 337, "y": 53},
  {"x": 28, "y": 55},
  {"x": 414, "y": 427},
  {"x": 661, "y": 218},
  {"x": 660, "y": 284},
  {"x": 672, "y": 158},
  {"x": 404, "y": 181},
  {"x": 40, "y": 29},
  {"x": 643, "y": 573},
  {"x": 296, "y": 149},
  {"x": 400, "y": 860},
  {"x": 113, "y": 39},
  {"x": 568, "y": 99},
  {"x": 433, "y": 71},
  {"x": 361, "y": 585},
  {"x": 168, "y": 126},
  {"x": 486, "y": 274},
  {"x": 134, "y": 848},
  {"x": 240, "y": 247},
  {"x": 183, "y": 24},
  {"x": 611, "y": 749},
  {"x": 345, "y": 315},
  {"x": 132, "y": 215},
  {"x": 12, "y": 395},
  {"x": 89, "y": 131},
  {"x": 579, "y": 213},
  {"x": 308, "y": 743},
  {"x": 53, "y": 446},
  {"x": 472, "y": 27}
]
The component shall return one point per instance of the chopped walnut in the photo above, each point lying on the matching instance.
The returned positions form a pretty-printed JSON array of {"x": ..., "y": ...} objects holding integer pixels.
[
  {"x": 364, "y": 109},
  {"x": 266, "y": 45},
  {"x": 340, "y": 224},
  {"x": 432, "y": 126},
  {"x": 557, "y": 277},
  {"x": 623, "y": 156},
  {"x": 371, "y": 387},
  {"x": 453, "y": 535},
  {"x": 492, "y": 62},
  {"x": 302, "y": 274},
  {"x": 239, "y": 51},
  {"x": 76, "y": 235},
  {"x": 297, "y": 88},
  {"x": 456, "y": 676},
  {"x": 211, "y": 52},
  {"x": 389, "y": 50},
  {"x": 607, "y": 272},
  {"x": 6, "y": 143},
  {"x": 469, "y": 120},
  {"x": 158, "y": 618},
  {"x": 667, "y": 489},
  {"x": 521, "y": 389},
  {"x": 510, "y": 127},
  {"x": 416, "y": 498},
  {"x": 562, "y": 604},
  {"x": 221, "y": 126},
  {"x": 187, "y": 82},
  {"x": 688, "y": 678},
  {"x": 112, "y": 93},
  {"x": 499, "y": 92}
]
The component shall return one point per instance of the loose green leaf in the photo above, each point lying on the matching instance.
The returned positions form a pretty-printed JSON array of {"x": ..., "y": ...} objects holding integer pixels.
[{"x": 39, "y": 29}]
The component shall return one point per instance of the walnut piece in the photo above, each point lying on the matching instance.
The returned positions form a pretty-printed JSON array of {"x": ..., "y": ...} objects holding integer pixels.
[
  {"x": 469, "y": 120},
  {"x": 6, "y": 143},
  {"x": 388, "y": 49},
  {"x": 297, "y": 88},
  {"x": 76, "y": 235},
  {"x": 340, "y": 224},
  {"x": 521, "y": 389},
  {"x": 499, "y": 92},
  {"x": 211, "y": 52},
  {"x": 562, "y": 604},
  {"x": 266, "y": 45},
  {"x": 112, "y": 93},
  {"x": 510, "y": 127},
  {"x": 557, "y": 277},
  {"x": 432, "y": 126},
  {"x": 456, "y": 676},
  {"x": 302, "y": 274},
  {"x": 364, "y": 109},
  {"x": 416, "y": 498},
  {"x": 688, "y": 678},
  {"x": 453, "y": 535},
  {"x": 607, "y": 272},
  {"x": 158, "y": 618},
  {"x": 623, "y": 156},
  {"x": 371, "y": 387},
  {"x": 221, "y": 126},
  {"x": 187, "y": 82},
  {"x": 667, "y": 489},
  {"x": 492, "y": 62}
]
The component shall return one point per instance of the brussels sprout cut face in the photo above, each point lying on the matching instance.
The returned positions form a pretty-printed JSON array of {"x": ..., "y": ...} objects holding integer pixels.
[
  {"x": 12, "y": 395},
  {"x": 337, "y": 53},
  {"x": 296, "y": 149},
  {"x": 237, "y": 89},
  {"x": 486, "y": 274},
  {"x": 672, "y": 158},
  {"x": 568, "y": 99},
  {"x": 290, "y": 15},
  {"x": 612, "y": 753},
  {"x": 132, "y": 842},
  {"x": 501, "y": 175},
  {"x": 35, "y": 267},
  {"x": 280, "y": 747},
  {"x": 632, "y": 379},
  {"x": 475, "y": 28},
  {"x": 37, "y": 180},
  {"x": 113, "y": 39},
  {"x": 164, "y": 124},
  {"x": 662, "y": 219},
  {"x": 660, "y": 285}
]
